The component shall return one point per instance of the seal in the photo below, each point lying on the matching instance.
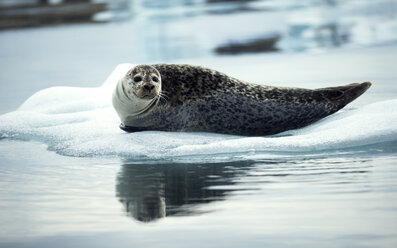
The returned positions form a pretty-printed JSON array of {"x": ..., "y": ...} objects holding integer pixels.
[{"x": 171, "y": 97}]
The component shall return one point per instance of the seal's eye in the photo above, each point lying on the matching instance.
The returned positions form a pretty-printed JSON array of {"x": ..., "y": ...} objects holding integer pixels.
[
  {"x": 155, "y": 79},
  {"x": 137, "y": 79}
]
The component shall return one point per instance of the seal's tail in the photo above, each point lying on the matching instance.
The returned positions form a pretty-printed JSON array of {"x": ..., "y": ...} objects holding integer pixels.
[{"x": 343, "y": 95}]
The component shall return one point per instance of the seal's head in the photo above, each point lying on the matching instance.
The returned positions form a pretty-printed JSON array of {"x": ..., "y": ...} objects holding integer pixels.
[
  {"x": 137, "y": 93},
  {"x": 142, "y": 81}
]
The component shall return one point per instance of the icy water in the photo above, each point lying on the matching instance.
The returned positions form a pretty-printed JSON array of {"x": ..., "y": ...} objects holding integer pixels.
[
  {"x": 347, "y": 199},
  {"x": 69, "y": 177}
]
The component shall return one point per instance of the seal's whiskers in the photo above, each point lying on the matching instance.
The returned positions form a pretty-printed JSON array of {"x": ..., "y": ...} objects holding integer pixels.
[{"x": 163, "y": 97}]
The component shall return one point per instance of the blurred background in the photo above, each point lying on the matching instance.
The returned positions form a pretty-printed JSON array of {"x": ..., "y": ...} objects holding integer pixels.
[{"x": 79, "y": 42}]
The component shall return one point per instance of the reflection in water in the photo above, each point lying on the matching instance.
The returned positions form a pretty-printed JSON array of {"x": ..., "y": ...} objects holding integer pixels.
[{"x": 149, "y": 192}]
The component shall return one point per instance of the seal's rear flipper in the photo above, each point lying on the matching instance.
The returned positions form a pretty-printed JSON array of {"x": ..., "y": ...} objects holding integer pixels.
[{"x": 343, "y": 95}]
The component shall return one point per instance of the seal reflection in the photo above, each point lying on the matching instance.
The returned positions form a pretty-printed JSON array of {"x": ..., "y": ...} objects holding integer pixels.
[{"x": 152, "y": 191}]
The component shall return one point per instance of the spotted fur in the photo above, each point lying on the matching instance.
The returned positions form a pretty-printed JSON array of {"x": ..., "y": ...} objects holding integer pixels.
[{"x": 199, "y": 99}]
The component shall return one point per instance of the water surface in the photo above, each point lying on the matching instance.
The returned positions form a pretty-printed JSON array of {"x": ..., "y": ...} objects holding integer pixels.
[{"x": 345, "y": 200}]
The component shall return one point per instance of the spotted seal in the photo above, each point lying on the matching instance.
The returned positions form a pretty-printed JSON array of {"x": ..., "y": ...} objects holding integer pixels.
[{"x": 172, "y": 97}]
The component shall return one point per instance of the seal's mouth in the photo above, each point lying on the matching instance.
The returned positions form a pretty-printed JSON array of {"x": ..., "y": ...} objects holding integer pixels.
[{"x": 148, "y": 96}]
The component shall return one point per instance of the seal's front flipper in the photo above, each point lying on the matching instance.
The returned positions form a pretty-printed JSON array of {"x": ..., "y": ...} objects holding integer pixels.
[{"x": 130, "y": 129}]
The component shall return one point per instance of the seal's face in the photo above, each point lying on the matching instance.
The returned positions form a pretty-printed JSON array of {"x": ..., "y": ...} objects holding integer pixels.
[{"x": 143, "y": 81}]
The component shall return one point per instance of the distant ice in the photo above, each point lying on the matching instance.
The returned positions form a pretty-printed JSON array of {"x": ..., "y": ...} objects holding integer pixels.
[{"x": 77, "y": 121}]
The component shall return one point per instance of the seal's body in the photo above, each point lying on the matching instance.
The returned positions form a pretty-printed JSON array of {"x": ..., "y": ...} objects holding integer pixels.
[{"x": 193, "y": 98}]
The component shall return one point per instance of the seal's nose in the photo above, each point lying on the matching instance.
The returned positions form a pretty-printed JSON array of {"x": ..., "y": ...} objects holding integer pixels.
[{"x": 149, "y": 87}]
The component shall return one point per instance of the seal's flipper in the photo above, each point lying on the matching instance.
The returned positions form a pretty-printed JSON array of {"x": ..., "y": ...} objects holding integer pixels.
[
  {"x": 130, "y": 129},
  {"x": 343, "y": 95}
]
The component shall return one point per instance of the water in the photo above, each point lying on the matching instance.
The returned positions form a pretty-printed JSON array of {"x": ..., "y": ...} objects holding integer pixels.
[
  {"x": 70, "y": 178},
  {"x": 184, "y": 29},
  {"x": 345, "y": 200}
]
